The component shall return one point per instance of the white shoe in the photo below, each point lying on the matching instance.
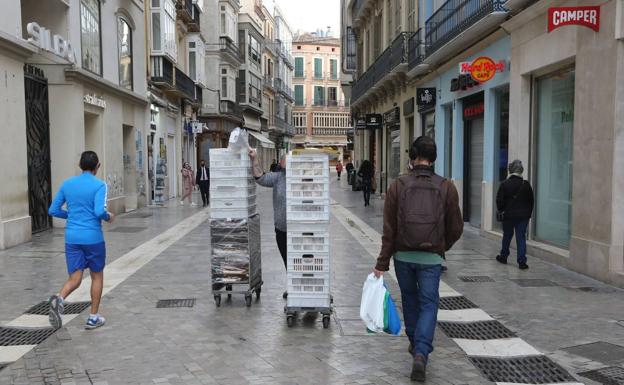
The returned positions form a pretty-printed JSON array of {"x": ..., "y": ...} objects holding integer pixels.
[
  {"x": 193, "y": 204},
  {"x": 181, "y": 203}
]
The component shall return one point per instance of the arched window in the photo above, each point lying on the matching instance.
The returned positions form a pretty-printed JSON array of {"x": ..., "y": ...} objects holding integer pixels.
[{"x": 124, "y": 46}]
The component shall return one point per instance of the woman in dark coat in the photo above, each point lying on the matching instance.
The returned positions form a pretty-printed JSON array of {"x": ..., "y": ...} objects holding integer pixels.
[
  {"x": 514, "y": 201},
  {"x": 366, "y": 172}
]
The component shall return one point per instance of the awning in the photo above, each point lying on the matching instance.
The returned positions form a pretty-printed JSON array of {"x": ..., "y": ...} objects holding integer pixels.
[
  {"x": 264, "y": 141},
  {"x": 252, "y": 122}
]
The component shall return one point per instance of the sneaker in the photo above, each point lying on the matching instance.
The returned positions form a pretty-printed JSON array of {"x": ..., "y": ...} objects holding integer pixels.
[
  {"x": 56, "y": 310},
  {"x": 181, "y": 203},
  {"x": 523, "y": 266},
  {"x": 95, "y": 322},
  {"x": 418, "y": 369},
  {"x": 193, "y": 204},
  {"x": 501, "y": 259}
]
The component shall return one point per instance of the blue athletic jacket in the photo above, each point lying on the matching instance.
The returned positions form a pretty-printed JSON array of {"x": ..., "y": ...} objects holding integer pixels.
[{"x": 85, "y": 196}]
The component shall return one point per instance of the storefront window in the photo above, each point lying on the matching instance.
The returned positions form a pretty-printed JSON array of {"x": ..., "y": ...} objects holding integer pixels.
[
  {"x": 394, "y": 153},
  {"x": 501, "y": 153},
  {"x": 555, "y": 118},
  {"x": 448, "y": 153},
  {"x": 124, "y": 34}
]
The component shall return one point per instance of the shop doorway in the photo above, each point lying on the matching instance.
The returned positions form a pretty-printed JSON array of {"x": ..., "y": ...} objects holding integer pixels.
[
  {"x": 473, "y": 159},
  {"x": 93, "y": 134},
  {"x": 172, "y": 168},
  {"x": 38, "y": 148},
  {"x": 129, "y": 161}
]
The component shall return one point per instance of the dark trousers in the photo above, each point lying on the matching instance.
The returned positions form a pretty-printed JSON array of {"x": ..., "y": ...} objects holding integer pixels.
[
  {"x": 366, "y": 188},
  {"x": 519, "y": 226},
  {"x": 419, "y": 286},
  {"x": 280, "y": 238},
  {"x": 204, "y": 188},
  {"x": 339, "y": 172}
]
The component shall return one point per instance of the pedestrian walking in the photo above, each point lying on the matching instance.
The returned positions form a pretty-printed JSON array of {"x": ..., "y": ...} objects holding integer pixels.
[
  {"x": 349, "y": 168},
  {"x": 339, "y": 168},
  {"x": 366, "y": 172},
  {"x": 85, "y": 199},
  {"x": 202, "y": 179},
  {"x": 187, "y": 183},
  {"x": 277, "y": 181},
  {"x": 422, "y": 220},
  {"x": 514, "y": 201}
]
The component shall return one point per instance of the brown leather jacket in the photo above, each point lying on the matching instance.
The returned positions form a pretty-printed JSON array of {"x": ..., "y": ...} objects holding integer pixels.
[{"x": 454, "y": 222}]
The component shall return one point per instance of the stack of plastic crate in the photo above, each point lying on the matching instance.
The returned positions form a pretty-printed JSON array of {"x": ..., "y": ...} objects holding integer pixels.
[
  {"x": 234, "y": 225},
  {"x": 307, "y": 214}
]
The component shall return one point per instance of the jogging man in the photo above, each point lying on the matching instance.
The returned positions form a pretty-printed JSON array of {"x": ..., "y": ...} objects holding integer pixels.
[
  {"x": 422, "y": 220},
  {"x": 85, "y": 198}
]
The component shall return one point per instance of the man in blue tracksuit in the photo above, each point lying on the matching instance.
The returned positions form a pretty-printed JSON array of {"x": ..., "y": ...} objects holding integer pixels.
[{"x": 85, "y": 198}]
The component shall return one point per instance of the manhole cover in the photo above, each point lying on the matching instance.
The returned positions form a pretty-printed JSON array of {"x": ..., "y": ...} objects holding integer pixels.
[
  {"x": 127, "y": 229},
  {"x": 43, "y": 308},
  {"x": 137, "y": 216},
  {"x": 456, "y": 303},
  {"x": 167, "y": 303},
  {"x": 523, "y": 370},
  {"x": 611, "y": 375},
  {"x": 600, "y": 351},
  {"x": 16, "y": 336},
  {"x": 483, "y": 330},
  {"x": 528, "y": 282},
  {"x": 476, "y": 278}
]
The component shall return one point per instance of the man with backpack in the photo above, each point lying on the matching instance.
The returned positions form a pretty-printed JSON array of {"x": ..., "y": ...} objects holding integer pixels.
[{"x": 422, "y": 220}]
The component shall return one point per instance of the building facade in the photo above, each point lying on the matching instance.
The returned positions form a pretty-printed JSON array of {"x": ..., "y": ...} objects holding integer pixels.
[
  {"x": 321, "y": 112},
  {"x": 71, "y": 90},
  {"x": 283, "y": 130},
  {"x": 496, "y": 83}
]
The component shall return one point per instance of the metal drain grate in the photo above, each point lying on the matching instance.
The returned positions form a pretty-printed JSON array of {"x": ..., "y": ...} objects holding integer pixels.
[
  {"x": 611, "y": 375},
  {"x": 127, "y": 229},
  {"x": 532, "y": 370},
  {"x": 475, "y": 278},
  {"x": 43, "y": 308},
  {"x": 528, "y": 282},
  {"x": 600, "y": 351},
  {"x": 169, "y": 303},
  {"x": 482, "y": 330},
  {"x": 16, "y": 336},
  {"x": 456, "y": 303}
]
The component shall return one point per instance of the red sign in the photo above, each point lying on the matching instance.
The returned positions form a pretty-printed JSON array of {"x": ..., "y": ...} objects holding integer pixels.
[
  {"x": 586, "y": 16},
  {"x": 474, "y": 110},
  {"x": 482, "y": 68}
]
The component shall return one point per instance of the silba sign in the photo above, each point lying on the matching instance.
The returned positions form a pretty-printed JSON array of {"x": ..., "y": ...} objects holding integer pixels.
[{"x": 42, "y": 37}]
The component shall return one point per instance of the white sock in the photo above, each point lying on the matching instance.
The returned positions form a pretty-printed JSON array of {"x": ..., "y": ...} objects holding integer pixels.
[
  {"x": 96, "y": 316},
  {"x": 61, "y": 298}
]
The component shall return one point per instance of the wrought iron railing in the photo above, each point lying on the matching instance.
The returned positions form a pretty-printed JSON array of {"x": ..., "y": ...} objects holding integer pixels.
[
  {"x": 394, "y": 55},
  {"x": 184, "y": 84},
  {"x": 283, "y": 88},
  {"x": 227, "y": 46},
  {"x": 350, "y": 51},
  {"x": 416, "y": 46},
  {"x": 454, "y": 17}
]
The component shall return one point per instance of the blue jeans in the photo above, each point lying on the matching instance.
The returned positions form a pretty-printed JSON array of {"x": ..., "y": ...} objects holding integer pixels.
[
  {"x": 419, "y": 294},
  {"x": 519, "y": 226}
]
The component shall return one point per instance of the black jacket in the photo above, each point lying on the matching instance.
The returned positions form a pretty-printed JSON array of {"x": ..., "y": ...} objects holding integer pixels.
[
  {"x": 522, "y": 206},
  {"x": 199, "y": 174}
]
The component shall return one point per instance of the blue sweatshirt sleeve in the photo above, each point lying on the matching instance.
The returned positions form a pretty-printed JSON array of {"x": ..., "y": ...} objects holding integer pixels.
[
  {"x": 100, "y": 203},
  {"x": 56, "y": 208}
]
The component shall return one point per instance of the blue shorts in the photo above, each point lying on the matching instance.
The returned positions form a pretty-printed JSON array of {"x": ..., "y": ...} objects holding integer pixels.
[{"x": 81, "y": 257}]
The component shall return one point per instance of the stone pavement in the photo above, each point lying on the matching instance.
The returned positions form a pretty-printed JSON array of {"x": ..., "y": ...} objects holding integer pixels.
[{"x": 233, "y": 344}]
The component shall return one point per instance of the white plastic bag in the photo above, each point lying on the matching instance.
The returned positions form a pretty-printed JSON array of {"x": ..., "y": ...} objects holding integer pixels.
[
  {"x": 372, "y": 305},
  {"x": 239, "y": 139}
]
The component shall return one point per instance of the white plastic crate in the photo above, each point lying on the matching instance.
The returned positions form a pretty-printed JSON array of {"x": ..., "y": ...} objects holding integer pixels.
[
  {"x": 307, "y": 209},
  {"x": 244, "y": 163},
  {"x": 308, "y": 241},
  {"x": 231, "y": 202},
  {"x": 308, "y": 284},
  {"x": 308, "y": 262},
  {"x": 308, "y": 302},
  {"x": 307, "y": 172},
  {"x": 227, "y": 154},
  {"x": 229, "y": 191},
  {"x": 233, "y": 213},
  {"x": 317, "y": 226},
  {"x": 240, "y": 182},
  {"x": 229, "y": 172},
  {"x": 299, "y": 188}
]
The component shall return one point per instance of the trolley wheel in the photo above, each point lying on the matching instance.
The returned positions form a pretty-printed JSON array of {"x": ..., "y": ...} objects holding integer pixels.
[
  {"x": 217, "y": 299},
  {"x": 290, "y": 320},
  {"x": 248, "y": 300},
  {"x": 258, "y": 291},
  {"x": 326, "y": 321}
]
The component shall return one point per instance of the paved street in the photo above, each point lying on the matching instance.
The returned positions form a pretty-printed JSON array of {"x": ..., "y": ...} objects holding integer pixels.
[{"x": 162, "y": 253}]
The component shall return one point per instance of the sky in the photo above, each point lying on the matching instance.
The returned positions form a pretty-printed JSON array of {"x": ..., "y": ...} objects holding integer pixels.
[{"x": 310, "y": 15}]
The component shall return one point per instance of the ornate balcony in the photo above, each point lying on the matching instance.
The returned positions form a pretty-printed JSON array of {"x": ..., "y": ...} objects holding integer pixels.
[
  {"x": 230, "y": 49},
  {"x": 162, "y": 72},
  {"x": 184, "y": 85}
]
